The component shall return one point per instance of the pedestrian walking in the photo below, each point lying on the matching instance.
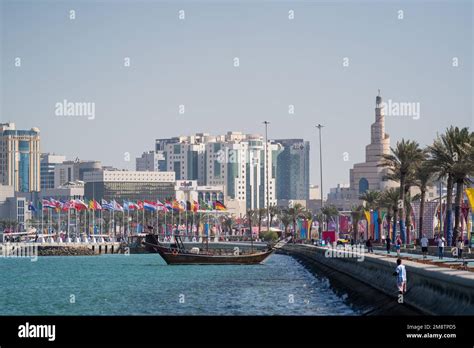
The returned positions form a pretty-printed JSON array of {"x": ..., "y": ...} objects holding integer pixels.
[
  {"x": 401, "y": 274},
  {"x": 398, "y": 245},
  {"x": 388, "y": 244},
  {"x": 459, "y": 246},
  {"x": 369, "y": 245},
  {"x": 441, "y": 242},
  {"x": 424, "y": 245}
]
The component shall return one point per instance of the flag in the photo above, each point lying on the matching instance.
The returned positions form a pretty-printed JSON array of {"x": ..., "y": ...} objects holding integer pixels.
[
  {"x": 57, "y": 204},
  {"x": 97, "y": 206},
  {"x": 168, "y": 205},
  {"x": 176, "y": 206},
  {"x": 139, "y": 205},
  {"x": 189, "y": 206},
  {"x": 220, "y": 206},
  {"x": 31, "y": 207},
  {"x": 116, "y": 206},
  {"x": 107, "y": 205},
  {"x": 202, "y": 205},
  {"x": 195, "y": 206},
  {"x": 79, "y": 204},
  {"x": 182, "y": 205},
  {"x": 91, "y": 205},
  {"x": 67, "y": 205},
  {"x": 48, "y": 204},
  {"x": 149, "y": 206},
  {"x": 470, "y": 196}
]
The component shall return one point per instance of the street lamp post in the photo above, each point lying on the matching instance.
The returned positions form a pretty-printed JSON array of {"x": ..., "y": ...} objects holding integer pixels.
[
  {"x": 266, "y": 123},
  {"x": 319, "y": 126}
]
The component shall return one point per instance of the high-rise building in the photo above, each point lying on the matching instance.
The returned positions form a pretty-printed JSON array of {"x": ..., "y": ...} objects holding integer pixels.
[
  {"x": 235, "y": 161},
  {"x": 293, "y": 170},
  {"x": 152, "y": 161},
  {"x": 20, "y": 158},
  {"x": 47, "y": 164}
]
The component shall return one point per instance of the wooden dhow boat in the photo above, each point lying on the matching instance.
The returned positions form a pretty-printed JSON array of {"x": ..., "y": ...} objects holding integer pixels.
[{"x": 177, "y": 254}]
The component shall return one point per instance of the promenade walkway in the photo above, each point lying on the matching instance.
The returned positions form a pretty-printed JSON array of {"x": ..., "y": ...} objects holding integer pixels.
[{"x": 450, "y": 262}]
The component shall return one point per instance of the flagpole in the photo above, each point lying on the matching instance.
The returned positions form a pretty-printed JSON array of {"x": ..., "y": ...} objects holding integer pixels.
[
  {"x": 42, "y": 226},
  {"x": 113, "y": 221},
  {"x": 59, "y": 223},
  {"x": 93, "y": 219},
  {"x": 68, "y": 220}
]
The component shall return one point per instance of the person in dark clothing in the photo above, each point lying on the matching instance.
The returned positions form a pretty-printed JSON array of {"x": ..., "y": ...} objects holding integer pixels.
[
  {"x": 369, "y": 245},
  {"x": 388, "y": 242}
]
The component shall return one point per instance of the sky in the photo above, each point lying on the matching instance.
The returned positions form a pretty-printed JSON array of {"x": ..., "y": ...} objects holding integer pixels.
[{"x": 328, "y": 60}]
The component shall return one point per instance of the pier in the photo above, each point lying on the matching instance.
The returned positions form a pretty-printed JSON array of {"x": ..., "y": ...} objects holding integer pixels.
[{"x": 61, "y": 249}]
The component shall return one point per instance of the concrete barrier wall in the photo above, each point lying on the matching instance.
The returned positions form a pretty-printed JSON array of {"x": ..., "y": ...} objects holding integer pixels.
[{"x": 431, "y": 289}]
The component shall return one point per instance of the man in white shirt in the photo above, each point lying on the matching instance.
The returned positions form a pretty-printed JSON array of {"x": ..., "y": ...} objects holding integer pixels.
[
  {"x": 401, "y": 274},
  {"x": 424, "y": 245}
]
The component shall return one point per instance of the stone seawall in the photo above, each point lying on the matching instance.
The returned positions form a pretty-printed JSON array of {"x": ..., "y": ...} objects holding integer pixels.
[{"x": 431, "y": 289}]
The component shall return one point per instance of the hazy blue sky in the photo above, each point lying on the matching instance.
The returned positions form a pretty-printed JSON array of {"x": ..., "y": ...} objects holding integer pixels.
[{"x": 190, "y": 62}]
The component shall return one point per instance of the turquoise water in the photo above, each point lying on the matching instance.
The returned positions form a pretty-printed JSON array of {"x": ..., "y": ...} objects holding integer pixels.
[{"x": 145, "y": 285}]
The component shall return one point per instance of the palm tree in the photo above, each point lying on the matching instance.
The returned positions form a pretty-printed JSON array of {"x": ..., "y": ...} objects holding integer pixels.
[
  {"x": 371, "y": 200},
  {"x": 401, "y": 163},
  {"x": 451, "y": 156},
  {"x": 250, "y": 215},
  {"x": 320, "y": 219},
  {"x": 329, "y": 211},
  {"x": 423, "y": 179},
  {"x": 273, "y": 211},
  {"x": 357, "y": 212},
  {"x": 261, "y": 212},
  {"x": 228, "y": 222},
  {"x": 285, "y": 218}
]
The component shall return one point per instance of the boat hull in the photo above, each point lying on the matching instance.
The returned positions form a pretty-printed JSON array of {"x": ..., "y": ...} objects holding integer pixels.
[{"x": 186, "y": 258}]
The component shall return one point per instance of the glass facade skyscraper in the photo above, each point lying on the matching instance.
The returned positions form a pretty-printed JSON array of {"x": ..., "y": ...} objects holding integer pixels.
[
  {"x": 20, "y": 158},
  {"x": 293, "y": 169}
]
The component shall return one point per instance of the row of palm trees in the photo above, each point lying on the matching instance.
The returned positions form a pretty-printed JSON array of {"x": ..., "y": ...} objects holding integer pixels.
[{"x": 449, "y": 159}]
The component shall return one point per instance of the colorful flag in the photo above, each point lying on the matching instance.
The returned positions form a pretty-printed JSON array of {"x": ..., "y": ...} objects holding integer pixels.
[
  {"x": 220, "y": 206},
  {"x": 107, "y": 205},
  {"x": 31, "y": 207},
  {"x": 195, "y": 206},
  {"x": 79, "y": 204},
  {"x": 149, "y": 206},
  {"x": 116, "y": 206},
  {"x": 48, "y": 204},
  {"x": 176, "y": 206},
  {"x": 470, "y": 196}
]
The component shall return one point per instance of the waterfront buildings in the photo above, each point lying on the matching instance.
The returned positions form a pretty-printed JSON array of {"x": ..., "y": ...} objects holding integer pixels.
[
  {"x": 47, "y": 164},
  {"x": 234, "y": 161},
  {"x": 129, "y": 185},
  {"x": 153, "y": 161},
  {"x": 14, "y": 208},
  {"x": 74, "y": 170},
  {"x": 20, "y": 158},
  {"x": 293, "y": 170},
  {"x": 189, "y": 190}
]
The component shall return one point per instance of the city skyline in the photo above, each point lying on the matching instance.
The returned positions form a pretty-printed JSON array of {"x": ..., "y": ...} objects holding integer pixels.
[{"x": 279, "y": 67}]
